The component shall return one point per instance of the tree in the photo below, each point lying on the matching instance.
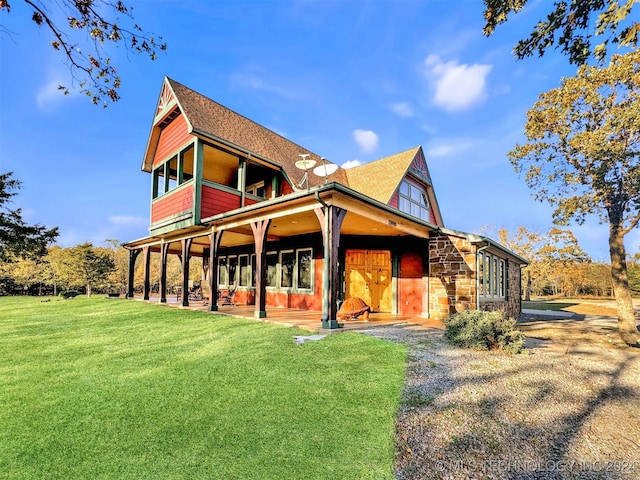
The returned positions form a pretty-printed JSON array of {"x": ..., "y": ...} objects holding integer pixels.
[
  {"x": 84, "y": 266},
  {"x": 555, "y": 259},
  {"x": 17, "y": 239},
  {"x": 571, "y": 26},
  {"x": 564, "y": 259},
  {"x": 81, "y": 39},
  {"x": 583, "y": 156}
]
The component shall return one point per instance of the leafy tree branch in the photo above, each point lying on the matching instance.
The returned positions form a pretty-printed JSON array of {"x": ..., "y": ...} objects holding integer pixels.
[
  {"x": 86, "y": 25},
  {"x": 573, "y": 26}
]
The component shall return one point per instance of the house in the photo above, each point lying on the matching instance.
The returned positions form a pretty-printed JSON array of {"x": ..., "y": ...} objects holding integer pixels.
[{"x": 248, "y": 202}]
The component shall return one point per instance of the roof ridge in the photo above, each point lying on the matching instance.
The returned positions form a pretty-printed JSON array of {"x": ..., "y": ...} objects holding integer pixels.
[{"x": 242, "y": 116}]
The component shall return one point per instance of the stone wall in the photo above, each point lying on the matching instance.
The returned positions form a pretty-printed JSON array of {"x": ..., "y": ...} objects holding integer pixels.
[
  {"x": 511, "y": 304},
  {"x": 452, "y": 276},
  {"x": 452, "y": 280}
]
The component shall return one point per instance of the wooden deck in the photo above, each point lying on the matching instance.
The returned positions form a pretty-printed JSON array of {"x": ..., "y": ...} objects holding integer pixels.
[{"x": 308, "y": 319}]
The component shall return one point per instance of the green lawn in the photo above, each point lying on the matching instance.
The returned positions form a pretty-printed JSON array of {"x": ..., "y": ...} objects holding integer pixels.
[{"x": 97, "y": 388}]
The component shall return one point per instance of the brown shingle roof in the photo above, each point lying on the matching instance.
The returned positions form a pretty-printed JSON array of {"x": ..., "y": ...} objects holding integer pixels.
[
  {"x": 380, "y": 178},
  {"x": 209, "y": 118}
]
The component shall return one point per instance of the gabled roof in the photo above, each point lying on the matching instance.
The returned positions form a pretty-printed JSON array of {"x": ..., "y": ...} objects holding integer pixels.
[
  {"x": 380, "y": 179},
  {"x": 207, "y": 118}
]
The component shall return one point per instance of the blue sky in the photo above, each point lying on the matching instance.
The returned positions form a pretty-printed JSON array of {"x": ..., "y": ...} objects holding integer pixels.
[{"x": 352, "y": 81}]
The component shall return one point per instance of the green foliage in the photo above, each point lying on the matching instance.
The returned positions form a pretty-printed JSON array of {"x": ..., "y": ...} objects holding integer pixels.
[
  {"x": 483, "y": 331},
  {"x": 583, "y": 156},
  {"x": 84, "y": 266},
  {"x": 571, "y": 27},
  {"x": 583, "y": 144},
  {"x": 17, "y": 239},
  {"x": 100, "y": 389},
  {"x": 90, "y": 24}
]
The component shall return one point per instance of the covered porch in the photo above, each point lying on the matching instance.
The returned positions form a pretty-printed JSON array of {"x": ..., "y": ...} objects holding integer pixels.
[
  {"x": 323, "y": 221},
  {"x": 305, "y": 319}
]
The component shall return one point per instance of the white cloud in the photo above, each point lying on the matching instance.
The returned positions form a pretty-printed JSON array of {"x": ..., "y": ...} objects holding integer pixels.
[
  {"x": 127, "y": 220},
  {"x": 457, "y": 87},
  {"x": 351, "y": 164},
  {"x": 444, "y": 147},
  {"x": 366, "y": 140},
  {"x": 402, "y": 109},
  {"x": 49, "y": 95}
]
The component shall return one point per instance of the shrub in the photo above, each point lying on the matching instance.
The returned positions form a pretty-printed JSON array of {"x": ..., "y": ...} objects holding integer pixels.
[
  {"x": 69, "y": 294},
  {"x": 484, "y": 331}
]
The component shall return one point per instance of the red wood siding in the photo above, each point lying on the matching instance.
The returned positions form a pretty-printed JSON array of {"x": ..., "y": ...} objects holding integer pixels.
[
  {"x": 410, "y": 284},
  {"x": 394, "y": 200},
  {"x": 285, "y": 188},
  {"x": 310, "y": 301},
  {"x": 216, "y": 201},
  {"x": 172, "y": 137},
  {"x": 432, "y": 216},
  {"x": 173, "y": 203}
]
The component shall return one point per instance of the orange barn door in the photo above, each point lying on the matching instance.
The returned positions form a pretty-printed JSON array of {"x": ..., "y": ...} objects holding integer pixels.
[
  {"x": 356, "y": 277},
  {"x": 368, "y": 276}
]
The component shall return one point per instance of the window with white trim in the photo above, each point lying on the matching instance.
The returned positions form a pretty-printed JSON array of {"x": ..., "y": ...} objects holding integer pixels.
[
  {"x": 272, "y": 269},
  {"x": 492, "y": 277},
  {"x": 287, "y": 262},
  {"x": 244, "y": 274},
  {"x": 304, "y": 269},
  {"x": 290, "y": 270},
  {"x": 257, "y": 190}
]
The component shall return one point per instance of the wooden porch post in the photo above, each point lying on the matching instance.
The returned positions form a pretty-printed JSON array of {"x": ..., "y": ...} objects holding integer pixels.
[
  {"x": 133, "y": 255},
  {"x": 331, "y": 218},
  {"x": 186, "y": 256},
  {"x": 146, "y": 251},
  {"x": 164, "y": 252},
  {"x": 260, "y": 229},
  {"x": 214, "y": 239}
]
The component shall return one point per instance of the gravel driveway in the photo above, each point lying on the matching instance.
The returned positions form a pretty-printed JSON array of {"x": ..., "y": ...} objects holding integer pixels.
[{"x": 568, "y": 408}]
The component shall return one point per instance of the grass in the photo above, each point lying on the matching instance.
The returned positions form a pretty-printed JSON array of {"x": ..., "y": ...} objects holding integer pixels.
[
  {"x": 581, "y": 306},
  {"x": 103, "y": 389}
]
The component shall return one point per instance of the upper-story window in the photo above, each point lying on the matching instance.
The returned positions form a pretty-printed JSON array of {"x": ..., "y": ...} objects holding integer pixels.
[
  {"x": 257, "y": 189},
  {"x": 413, "y": 200},
  {"x": 175, "y": 171}
]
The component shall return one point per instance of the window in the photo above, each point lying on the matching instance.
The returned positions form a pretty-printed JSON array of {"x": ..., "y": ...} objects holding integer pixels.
[
  {"x": 272, "y": 269},
  {"x": 413, "y": 200},
  {"x": 305, "y": 268},
  {"x": 158, "y": 182},
  {"x": 187, "y": 156},
  {"x": 233, "y": 270},
  {"x": 257, "y": 189},
  {"x": 253, "y": 269},
  {"x": 244, "y": 278},
  {"x": 172, "y": 178},
  {"x": 286, "y": 269},
  {"x": 223, "y": 271},
  {"x": 287, "y": 262},
  {"x": 174, "y": 172},
  {"x": 491, "y": 277}
]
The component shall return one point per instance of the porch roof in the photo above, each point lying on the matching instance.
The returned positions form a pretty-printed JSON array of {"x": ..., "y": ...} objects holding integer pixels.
[{"x": 292, "y": 215}]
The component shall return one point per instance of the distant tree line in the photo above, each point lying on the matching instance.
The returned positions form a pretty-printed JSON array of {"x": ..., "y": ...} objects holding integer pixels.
[
  {"x": 87, "y": 269},
  {"x": 558, "y": 267}
]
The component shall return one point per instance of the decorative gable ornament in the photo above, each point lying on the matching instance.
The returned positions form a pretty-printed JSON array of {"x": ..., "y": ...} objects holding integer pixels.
[
  {"x": 166, "y": 99},
  {"x": 419, "y": 168}
]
